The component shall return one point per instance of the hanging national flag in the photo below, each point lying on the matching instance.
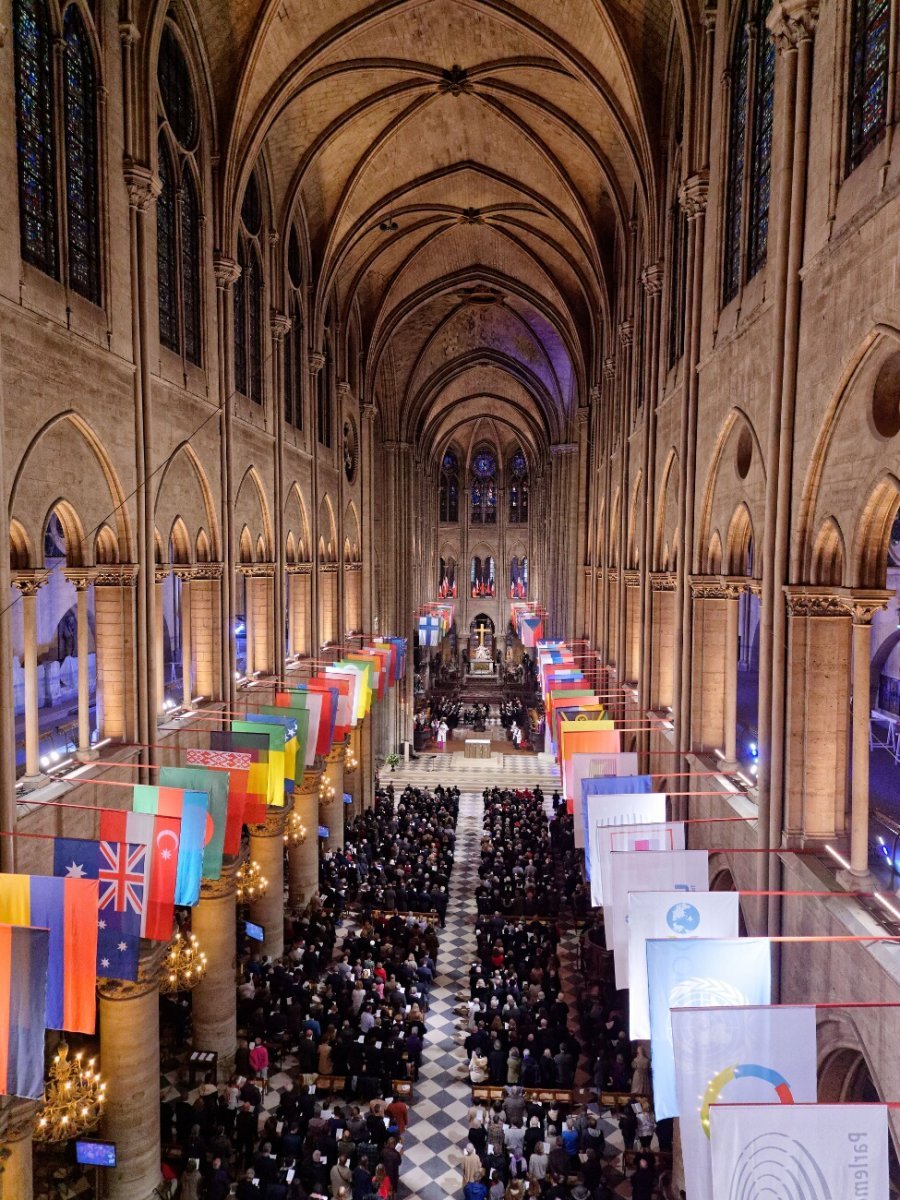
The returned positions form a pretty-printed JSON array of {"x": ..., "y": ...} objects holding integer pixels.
[
  {"x": 215, "y": 785},
  {"x": 121, "y": 869},
  {"x": 161, "y": 836},
  {"x": 190, "y": 808},
  {"x": 24, "y": 961},
  {"x": 68, "y": 908},
  {"x": 257, "y": 746}
]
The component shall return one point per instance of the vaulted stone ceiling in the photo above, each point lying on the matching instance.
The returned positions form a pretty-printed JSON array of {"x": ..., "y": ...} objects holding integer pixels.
[{"x": 466, "y": 171}]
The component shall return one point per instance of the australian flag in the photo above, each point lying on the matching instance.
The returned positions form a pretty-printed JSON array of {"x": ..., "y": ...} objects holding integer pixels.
[{"x": 121, "y": 868}]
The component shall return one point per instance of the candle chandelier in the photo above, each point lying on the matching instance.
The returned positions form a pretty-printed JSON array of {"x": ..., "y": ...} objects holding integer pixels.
[
  {"x": 326, "y": 790},
  {"x": 294, "y": 830},
  {"x": 351, "y": 762},
  {"x": 251, "y": 883},
  {"x": 73, "y": 1098},
  {"x": 185, "y": 964}
]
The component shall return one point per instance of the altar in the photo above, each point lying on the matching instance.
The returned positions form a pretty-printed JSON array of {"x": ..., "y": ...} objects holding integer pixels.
[{"x": 481, "y": 648}]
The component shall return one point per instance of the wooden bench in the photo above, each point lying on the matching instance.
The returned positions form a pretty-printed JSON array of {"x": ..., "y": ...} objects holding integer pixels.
[
  {"x": 331, "y": 1083},
  {"x": 538, "y": 1095}
]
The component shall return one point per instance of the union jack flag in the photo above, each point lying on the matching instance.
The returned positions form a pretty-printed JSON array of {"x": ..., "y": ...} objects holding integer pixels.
[
  {"x": 122, "y": 877},
  {"x": 121, "y": 868}
]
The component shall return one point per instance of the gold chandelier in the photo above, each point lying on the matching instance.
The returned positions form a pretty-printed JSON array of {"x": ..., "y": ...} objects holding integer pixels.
[
  {"x": 73, "y": 1099},
  {"x": 351, "y": 762},
  {"x": 251, "y": 883},
  {"x": 326, "y": 790},
  {"x": 294, "y": 830},
  {"x": 185, "y": 964}
]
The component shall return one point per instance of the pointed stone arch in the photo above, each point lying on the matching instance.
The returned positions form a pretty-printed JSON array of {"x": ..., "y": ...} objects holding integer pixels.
[
  {"x": 106, "y": 548},
  {"x": 327, "y": 531},
  {"x": 184, "y": 491},
  {"x": 739, "y": 543},
  {"x": 296, "y": 523},
  {"x": 713, "y": 564},
  {"x": 179, "y": 543},
  {"x": 251, "y": 509},
  {"x": 868, "y": 566},
  {"x": 829, "y": 555},
  {"x": 665, "y": 553},
  {"x": 20, "y": 551}
]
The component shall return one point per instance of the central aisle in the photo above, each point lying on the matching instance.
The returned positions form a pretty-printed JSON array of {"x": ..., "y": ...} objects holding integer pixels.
[{"x": 438, "y": 1130}]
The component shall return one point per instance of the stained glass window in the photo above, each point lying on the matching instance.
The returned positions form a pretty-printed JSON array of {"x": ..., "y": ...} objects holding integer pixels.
[
  {"x": 761, "y": 151},
  {"x": 34, "y": 130},
  {"x": 176, "y": 91},
  {"x": 190, "y": 265},
  {"x": 449, "y": 489},
  {"x": 80, "y": 125},
  {"x": 483, "y": 507},
  {"x": 518, "y": 489},
  {"x": 167, "y": 252},
  {"x": 866, "y": 118},
  {"x": 737, "y": 156}
]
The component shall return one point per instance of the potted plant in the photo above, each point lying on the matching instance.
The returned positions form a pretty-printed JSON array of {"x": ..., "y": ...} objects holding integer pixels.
[{"x": 392, "y": 759}]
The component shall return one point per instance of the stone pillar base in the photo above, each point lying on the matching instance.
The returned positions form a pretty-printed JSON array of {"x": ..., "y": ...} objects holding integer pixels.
[
  {"x": 86, "y": 756},
  {"x": 864, "y": 882}
]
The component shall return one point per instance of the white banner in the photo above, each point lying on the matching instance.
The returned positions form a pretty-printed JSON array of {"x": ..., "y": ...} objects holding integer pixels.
[
  {"x": 637, "y": 809},
  {"x": 800, "y": 1152},
  {"x": 699, "y": 973},
  {"x": 647, "y": 836},
  {"x": 670, "y": 915},
  {"x": 764, "y": 1055},
  {"x": 595, "y": 766},
  {"x": 655, "y": 871}
]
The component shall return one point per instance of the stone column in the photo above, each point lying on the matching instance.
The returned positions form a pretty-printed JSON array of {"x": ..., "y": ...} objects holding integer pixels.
[
  {"x": 861, "y": 606},
  {"x": 214, "y": 999},
  {"x": 707, "y": 724},
  {"x": 81, "y": 580},
  {"x": 331, "y": 805},
  {"x": 817, "y": 713},
  {"x": 129, "y": 1061},
  {"x": 28, "y": 582},
  {"x": 159, "y": 647},
  {"x": 632, "y": 602},
  {"x": 227, "y": 272},
  {"x": 298, "y": 609},
  {"x": 732, "y": 606},
  {"x": 115, "y": 591},
  {"x": 267, "y": 848},
  {"x": 206, "y": 629},
  {"x": 16, "y": 1124},
  {"x": 613, "y": 622},
  {"x": 186, "y": 575},
  {"x": 327, "y": 598},
  {"x": 303, "y": 860},
  {"x": 352, "y": 598},
  {"x": 662, "y": 663}
]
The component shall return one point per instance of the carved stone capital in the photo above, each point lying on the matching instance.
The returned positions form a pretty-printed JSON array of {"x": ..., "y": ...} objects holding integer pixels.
[
  {"x": 612, "y": 574},
  {"x": 368, "y": 412},
  {"x": 863, "y": 604},
  {"x": 609, "y": 367},
  {"x": 395, "y": 447},
  {"x": 225, "y": 885},
  {"x": 273, "y": 826},
  {"x": 336, "y": 753},
  {"x": 694, "y": 195},
  {"x": 16, "y": 1119},
  {"x": 560, "y": 449},
  {"x": 328, "y": 568},
  {"x": 301, "y": 568},
  {"x": 211, "y": 570},
  {"x": 80, "y": 578},
  {"x": 30, "y": 581},
  {"x": 116, "y": 575},
  {"x": 316, "y": 361},
  {"x": 262, "y": 570},
  {"x": 631, "y": 578},
  {"x": 652, "y": 278},
  {"x": 626, "y": 331},
  {"x": 343, "y": 389},
  {"x": 281, "y": 325},
  {"x": 662, "y": 581},
  {"x": 581, "y": 417},
  {"x": 814, "y": 602},
  {"x": 715, "y": 587},
  {"x": 791, "y": 22},
  {"x": 595, "y": 393},
  {"x": 226, "y": 271},
  {"x": 310, "y": 784},
  {"x": 144, "y": 188}
]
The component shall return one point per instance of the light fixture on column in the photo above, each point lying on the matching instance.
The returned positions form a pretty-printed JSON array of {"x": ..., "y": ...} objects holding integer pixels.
[
  {"x": 326, "y": 791},
  {"x": 73, "y": 1098},
  {"x": 294, "y": 830},
  {"x": 185, "y": 964},
  {"x": 251, "y": 883},
  {"x": 351, "y": 762}
]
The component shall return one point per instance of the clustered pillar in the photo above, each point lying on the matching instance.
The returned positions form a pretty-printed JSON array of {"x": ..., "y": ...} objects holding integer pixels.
[
  {"x": 303, "y": 859},
  {"x": 267, "y": 849},
  {"x": 214, "y": 1000}
]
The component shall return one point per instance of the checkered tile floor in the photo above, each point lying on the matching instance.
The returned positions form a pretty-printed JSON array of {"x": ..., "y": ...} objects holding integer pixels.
[{"x": 432, "y": 1147}]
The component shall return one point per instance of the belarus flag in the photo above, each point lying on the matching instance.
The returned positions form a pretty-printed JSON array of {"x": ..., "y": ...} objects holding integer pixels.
[{"x": 161, "y": 836}]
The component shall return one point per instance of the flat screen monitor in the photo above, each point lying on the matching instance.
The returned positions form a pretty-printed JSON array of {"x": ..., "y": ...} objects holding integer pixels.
[
  {"x": 95, "y": 1154},
  {"x": 323, "y": 831},
  {"x": 254, "y": 931},
  {"x": 348, "y": 799}
]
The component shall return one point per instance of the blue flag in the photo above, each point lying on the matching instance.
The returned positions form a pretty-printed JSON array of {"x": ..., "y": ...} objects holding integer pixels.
[{"x": 121, "y": 868}]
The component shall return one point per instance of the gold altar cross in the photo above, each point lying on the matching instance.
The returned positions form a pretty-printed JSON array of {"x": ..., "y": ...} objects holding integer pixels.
[{"x": 481, "y": 630}]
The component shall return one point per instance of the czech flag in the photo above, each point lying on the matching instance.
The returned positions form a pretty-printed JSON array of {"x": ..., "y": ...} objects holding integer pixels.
[
  {"x": 162, "y": 837},
  {"x": 68, "y": 909},
  {"x": 24, "y": 960}
]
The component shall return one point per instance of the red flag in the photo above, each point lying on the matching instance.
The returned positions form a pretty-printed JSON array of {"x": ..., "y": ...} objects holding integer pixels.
[
  {"x": 161, "y": 836},
  {"x": 237, "y": 763}
]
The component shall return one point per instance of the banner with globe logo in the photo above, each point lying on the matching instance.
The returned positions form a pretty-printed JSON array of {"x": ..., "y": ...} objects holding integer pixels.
[
  {"x": 672, "y": 915},
  {"x": 799, "y": 1152},
  {"x": 655, "y": 871},
  {"x": 695, "y": 972},
  {"x": 763, "y": 1055}
]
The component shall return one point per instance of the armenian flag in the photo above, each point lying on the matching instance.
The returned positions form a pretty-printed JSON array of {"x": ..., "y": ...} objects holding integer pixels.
[
  {"x": 68, "y": 909},
  {"x": 24, "y": 961}
]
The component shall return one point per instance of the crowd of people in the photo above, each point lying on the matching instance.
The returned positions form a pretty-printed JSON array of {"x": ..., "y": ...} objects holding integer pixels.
[
  {"x": 519, "y": 1032},
  {"x": 347, "y": 1003}
]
